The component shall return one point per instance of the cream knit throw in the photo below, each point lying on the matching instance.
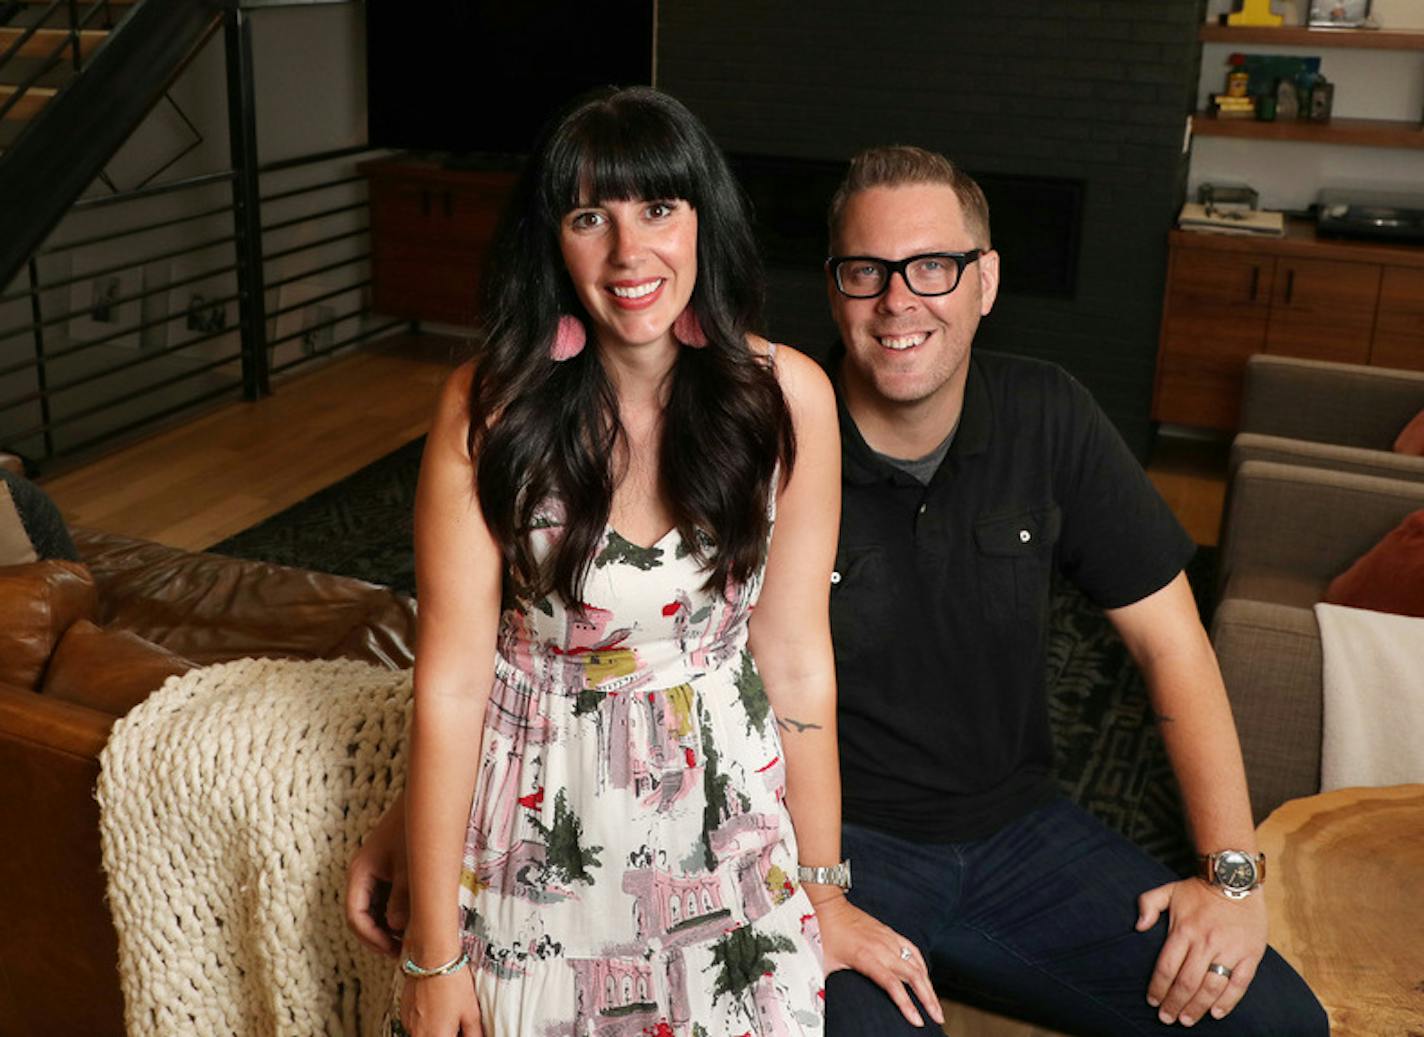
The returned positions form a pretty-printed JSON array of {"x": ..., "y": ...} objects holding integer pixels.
[{"x": 231, "y": 801}]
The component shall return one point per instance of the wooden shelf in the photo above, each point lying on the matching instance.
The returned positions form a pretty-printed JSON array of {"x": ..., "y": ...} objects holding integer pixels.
[
  {"x": 1297, "y": 35},
  {"x": 1368, "y": 133},
  {"x": 1302, "y": 242}
]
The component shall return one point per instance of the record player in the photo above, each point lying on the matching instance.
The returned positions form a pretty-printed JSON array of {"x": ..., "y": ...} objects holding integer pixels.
[{"x": 1371, "y": 214}]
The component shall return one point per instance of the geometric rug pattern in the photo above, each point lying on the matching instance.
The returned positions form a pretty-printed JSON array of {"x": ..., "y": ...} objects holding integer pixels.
[{"x": 1110, "y": 757}]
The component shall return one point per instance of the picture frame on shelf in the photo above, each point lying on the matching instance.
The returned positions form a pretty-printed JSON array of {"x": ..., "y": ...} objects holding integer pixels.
[
  {"x": 106, "y": 306},
  {"x": 200, "y": 306},
  {"x": 1339, "y": 14},
  {"x": 304, "y": 320}
]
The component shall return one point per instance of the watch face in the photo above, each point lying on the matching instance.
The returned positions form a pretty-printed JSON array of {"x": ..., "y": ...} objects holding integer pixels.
[{"x": 1235, "y": 870}]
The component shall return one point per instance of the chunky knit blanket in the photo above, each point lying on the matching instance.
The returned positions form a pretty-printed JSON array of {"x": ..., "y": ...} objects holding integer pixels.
[{"x": 231, "y": 801}]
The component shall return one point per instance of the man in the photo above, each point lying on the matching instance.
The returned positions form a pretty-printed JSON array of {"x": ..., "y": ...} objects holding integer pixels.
[{"x": 966, "y": 479}]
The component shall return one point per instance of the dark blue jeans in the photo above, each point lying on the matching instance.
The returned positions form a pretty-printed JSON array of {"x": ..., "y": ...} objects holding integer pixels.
[{"x": 1037, "y": 921}]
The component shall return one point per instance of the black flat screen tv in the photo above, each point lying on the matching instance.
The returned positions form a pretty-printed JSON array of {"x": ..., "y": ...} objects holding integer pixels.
[{"x": 478, "y": 77}]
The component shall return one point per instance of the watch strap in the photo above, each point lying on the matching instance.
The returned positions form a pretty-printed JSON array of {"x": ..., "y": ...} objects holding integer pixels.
[
  {"x": 1206, "y": 870},
  {"x": 834, "y": 875}
]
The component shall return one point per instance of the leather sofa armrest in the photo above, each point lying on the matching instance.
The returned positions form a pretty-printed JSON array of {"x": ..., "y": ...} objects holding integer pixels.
[
  {"x": 50, "y": 725},
  {"x": 1271, "y": 664},
  {"x": 58, "y": 949},
  {"x": 1349, "y": 404}
]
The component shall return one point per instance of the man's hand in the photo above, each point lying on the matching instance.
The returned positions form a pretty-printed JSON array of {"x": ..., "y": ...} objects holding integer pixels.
[
  {"x": 1203, "y": 928},
  {"x": 377, "y": 894},
  {"x": 852, "y": 939}
]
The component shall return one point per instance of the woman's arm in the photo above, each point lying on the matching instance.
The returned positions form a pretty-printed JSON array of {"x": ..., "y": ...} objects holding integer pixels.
[
  {"x": 458, "y": 575},
  {"x": 790, "y": 639}
]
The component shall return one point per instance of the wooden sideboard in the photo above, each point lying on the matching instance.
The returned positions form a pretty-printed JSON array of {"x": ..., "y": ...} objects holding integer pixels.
[
  {"x": 1300, "y": 295},
  {"x": 431, "y": 229}
]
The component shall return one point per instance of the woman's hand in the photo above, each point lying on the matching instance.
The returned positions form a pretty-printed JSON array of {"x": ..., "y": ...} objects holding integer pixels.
[
  {"x": 377, "y": 894},
  {"x": 441, "y": 1006},
  {"x": 852, "y": 939}
]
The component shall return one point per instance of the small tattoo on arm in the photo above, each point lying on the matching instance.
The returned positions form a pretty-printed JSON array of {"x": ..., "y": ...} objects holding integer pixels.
[
  {"x": 1163, "y": 718},
  {"x": 787, "y": 724}
]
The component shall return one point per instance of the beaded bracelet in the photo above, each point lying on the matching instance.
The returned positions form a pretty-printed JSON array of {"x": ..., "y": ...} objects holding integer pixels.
[{"x": 410, "y": 968}]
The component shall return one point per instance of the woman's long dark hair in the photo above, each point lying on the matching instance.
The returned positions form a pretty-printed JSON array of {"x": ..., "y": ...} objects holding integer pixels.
[{"x": 556, "y": 429}]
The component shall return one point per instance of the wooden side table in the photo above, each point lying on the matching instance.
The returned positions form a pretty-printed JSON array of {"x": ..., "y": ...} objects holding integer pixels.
[{"x": 1346, "y": 903}]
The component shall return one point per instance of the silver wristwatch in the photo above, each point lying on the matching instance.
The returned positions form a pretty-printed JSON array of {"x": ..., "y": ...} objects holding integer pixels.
[
  {"x": 1236, "y": 873},
  {"x": 835, "y": 875}
]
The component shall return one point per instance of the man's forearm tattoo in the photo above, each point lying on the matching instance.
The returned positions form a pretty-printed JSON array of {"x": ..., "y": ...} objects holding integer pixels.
[{"x": 787, "y": 724}]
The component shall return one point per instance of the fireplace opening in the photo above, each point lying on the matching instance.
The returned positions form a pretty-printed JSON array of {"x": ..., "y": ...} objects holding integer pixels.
[{"x": 1036, "y": 221}]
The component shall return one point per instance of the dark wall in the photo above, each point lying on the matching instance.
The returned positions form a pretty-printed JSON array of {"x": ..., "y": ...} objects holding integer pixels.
[{"x": 1089, "y": 89}]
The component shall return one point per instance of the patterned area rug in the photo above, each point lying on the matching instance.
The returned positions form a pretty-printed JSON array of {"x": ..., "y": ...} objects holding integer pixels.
[{"x": 1110, "y": 757}]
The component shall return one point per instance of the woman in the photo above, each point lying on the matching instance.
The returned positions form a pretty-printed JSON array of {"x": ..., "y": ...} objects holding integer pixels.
[{"x": 593, "y": 528}]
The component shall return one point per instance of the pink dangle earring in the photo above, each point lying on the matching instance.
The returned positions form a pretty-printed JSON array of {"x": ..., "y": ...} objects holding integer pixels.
[
  {"x": 687, "y": 329},
  {"x": 569, "y": 339}
]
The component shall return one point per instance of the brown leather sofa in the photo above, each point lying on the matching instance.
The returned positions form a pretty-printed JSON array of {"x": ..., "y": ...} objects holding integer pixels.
[{"x": 87, "y": 643}]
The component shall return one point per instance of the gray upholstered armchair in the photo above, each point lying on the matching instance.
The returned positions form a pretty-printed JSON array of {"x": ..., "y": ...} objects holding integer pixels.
[{"x": 1289, "y": 530}]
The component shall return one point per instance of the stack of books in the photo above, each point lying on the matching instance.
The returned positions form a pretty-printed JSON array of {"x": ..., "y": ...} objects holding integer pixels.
[
  {"x": 1225, "y": 106},
  {"x": 1217, "y": 220}
]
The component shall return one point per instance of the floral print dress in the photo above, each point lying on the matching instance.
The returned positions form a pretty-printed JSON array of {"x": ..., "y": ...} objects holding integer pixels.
[{"x": 630, "y": 866}]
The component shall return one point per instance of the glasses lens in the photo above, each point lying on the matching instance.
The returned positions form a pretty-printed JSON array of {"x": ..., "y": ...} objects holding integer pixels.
[
  {"x": 861, "y": 278},
  {"x": 932, "y": 275}
]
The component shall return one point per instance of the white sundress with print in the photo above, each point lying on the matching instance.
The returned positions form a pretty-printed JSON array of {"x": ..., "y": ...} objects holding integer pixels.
[{"x": 630, "y": 867}]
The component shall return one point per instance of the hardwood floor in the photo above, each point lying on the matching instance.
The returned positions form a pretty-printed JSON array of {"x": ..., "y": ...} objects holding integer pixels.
[
  {"x": 196, "y": 484},
  {"x": 1190, "y": 474}
]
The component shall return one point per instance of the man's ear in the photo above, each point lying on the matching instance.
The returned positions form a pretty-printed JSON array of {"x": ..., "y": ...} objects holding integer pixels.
[{"x": 988, "y": 281}]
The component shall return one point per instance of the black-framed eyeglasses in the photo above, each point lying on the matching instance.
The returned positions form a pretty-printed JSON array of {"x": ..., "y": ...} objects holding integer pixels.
[{"x": 930, "y": 273}]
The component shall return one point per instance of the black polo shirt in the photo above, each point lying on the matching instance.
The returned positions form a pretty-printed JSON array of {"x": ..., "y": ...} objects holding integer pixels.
[{"x": 939, "y": 602}]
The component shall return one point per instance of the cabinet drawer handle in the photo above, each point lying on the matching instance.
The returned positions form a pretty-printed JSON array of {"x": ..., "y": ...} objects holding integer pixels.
[
  {"x": 1255, "y": 281},
  {"x": 1290, "y": 285}
]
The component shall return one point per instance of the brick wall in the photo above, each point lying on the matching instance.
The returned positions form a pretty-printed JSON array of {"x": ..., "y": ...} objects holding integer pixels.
[{"x": 1090, "y": 89}]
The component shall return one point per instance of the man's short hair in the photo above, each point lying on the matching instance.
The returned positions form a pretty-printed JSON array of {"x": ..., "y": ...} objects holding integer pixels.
[{"x": 896, "y": 165}]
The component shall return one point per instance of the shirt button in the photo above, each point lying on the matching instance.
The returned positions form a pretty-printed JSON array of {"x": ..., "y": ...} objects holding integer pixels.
[
  {"x": 835, "y": 577},
  {"x": 1025, "y": 536},
  {"x": 924, "y": 508}
]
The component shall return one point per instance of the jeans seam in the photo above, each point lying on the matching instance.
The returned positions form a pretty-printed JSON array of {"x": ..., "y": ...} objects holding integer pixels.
[{"x": 1042, "y": 970}]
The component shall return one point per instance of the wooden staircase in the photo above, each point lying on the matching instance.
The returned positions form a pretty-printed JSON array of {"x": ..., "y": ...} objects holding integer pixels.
[
  {"x": 39, "y": 46},
  {"x": 45, "y": 42}
]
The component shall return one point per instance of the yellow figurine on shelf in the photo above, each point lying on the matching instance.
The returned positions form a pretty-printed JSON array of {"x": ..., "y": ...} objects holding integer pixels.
[{"x": 1254, "y": 12}]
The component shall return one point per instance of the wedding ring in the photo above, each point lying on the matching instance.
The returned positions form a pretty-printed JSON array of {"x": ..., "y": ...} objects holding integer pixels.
[
  {"x": 1219, "y": 969},
  {"x": 906, "y": 954}
]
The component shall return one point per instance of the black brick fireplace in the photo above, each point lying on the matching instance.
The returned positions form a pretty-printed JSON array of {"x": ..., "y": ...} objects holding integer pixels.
[{"x": 1075, "y": 106}]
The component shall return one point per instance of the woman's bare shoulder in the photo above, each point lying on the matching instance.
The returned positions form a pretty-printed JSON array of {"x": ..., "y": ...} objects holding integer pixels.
[{"x": 801, "y": 377}]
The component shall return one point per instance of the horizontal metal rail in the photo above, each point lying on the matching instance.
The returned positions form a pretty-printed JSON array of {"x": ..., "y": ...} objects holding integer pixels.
[
  {"x": 99, "y": 408},
  {"x": 127, "y": 232},
  {"x": 308, "y": 246},
  {"x": 109, "y": 435},
  {"x": 316, "y": 299},
  {"x": 128, "y": 370},
  {"x": 348, "y": 341},
  {"x": 312, "y": 217}
]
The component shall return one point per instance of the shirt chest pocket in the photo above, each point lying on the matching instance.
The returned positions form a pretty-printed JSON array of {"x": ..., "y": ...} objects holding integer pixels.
[
  {"x": 1014, "y": 552},
  {"x": 862, "y": 607}
]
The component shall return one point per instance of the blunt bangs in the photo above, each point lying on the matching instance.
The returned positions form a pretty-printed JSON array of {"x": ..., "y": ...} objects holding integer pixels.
[{"x": 631, "y": 147}]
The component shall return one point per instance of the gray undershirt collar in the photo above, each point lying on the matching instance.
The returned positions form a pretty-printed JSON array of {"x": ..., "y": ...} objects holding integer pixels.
[{"x": 921, "y": 469}]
